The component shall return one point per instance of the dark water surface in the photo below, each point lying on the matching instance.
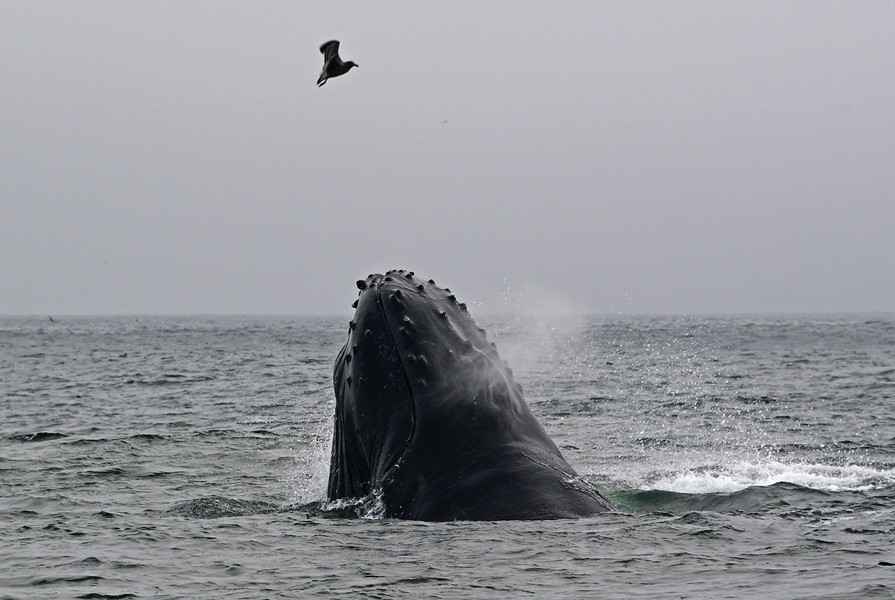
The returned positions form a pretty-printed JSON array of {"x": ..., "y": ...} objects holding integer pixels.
[{"x": 752, "y": 457}]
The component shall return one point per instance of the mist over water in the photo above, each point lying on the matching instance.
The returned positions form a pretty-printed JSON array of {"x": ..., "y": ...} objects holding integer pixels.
[{"x": 749, "y": 456}]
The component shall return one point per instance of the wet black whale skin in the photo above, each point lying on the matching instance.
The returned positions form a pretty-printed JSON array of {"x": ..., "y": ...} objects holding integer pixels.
[{"x": 428, "y": 415}]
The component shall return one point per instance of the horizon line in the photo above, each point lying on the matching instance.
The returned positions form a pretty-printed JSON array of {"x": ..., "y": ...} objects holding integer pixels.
[{"x": 46, "y": 315}]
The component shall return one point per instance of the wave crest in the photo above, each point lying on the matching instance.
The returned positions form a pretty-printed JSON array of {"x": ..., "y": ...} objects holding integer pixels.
[{"x": 745, "y": 474}]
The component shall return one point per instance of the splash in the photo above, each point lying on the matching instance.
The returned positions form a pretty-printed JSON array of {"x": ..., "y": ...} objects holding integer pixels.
[
  {"x": 745, "y": 474},
  {"x": 374, "y": 507},
  {"x": 309, "y": 475},
  {"x": 369, "y": 507}
]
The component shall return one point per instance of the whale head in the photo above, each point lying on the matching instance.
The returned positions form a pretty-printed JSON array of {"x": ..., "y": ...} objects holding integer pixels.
[
  {"x": 413, "y": 350},
  {"x": 429, "y": 414}
]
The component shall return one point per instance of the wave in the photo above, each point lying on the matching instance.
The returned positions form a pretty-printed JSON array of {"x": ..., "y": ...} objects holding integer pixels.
[
  {"x": 40, "y": 436},
  {"x": 169, "y": 379},
  {"x": 111, "y": 472},
  {"x": 745, "y": 474},
  {"x": 751, "y": 499},
  {"x": 139, "y": 437},
  {"x": 50, "y": 580},
  {"x": 237, "y": 433},
  {"x": 147, "y": 437},
  {"x": 216, "y": 507}
]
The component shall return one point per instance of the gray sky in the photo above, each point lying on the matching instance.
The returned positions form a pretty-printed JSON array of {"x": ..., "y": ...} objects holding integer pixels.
[{"x": 176, "y": 157}]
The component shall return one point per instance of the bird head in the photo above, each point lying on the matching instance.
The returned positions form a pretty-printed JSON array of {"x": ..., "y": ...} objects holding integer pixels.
[{"x": 350, "y": 64}]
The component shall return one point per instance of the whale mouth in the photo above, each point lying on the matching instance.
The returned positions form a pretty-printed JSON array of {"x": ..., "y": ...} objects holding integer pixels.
[
  {"x": 375, "y": 407},
  {"x": 404, "y": 331},
  {"x": 408, "y": 403}
]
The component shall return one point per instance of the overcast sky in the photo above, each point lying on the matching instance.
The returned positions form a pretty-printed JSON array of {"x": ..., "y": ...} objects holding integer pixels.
[{"x": 177, "y": 157}]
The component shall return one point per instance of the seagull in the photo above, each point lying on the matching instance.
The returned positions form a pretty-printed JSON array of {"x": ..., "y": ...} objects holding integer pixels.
[{"x": 333, "y": 66}]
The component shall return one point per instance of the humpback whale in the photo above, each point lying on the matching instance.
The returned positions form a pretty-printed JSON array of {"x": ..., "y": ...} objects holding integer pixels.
[{"x": 429, "y": 418}]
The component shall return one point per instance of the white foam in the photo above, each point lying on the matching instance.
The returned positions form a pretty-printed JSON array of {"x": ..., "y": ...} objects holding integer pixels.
[
  {"x": 739, "y": 476},
  {"x": 374, "y": 505}
]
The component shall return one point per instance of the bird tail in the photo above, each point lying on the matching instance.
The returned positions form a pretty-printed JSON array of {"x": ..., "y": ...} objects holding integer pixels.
[{"x": 321, "y": 80}]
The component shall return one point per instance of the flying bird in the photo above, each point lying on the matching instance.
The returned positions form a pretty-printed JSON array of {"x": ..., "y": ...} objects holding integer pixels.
[{"x": 333, "y": 65}]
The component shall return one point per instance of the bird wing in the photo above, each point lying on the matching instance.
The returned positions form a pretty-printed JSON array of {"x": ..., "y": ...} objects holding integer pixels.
[{"x": 329, "y": 50}]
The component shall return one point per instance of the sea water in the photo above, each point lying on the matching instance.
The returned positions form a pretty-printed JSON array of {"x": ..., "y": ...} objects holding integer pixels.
[{"x": 162, "y": 457}]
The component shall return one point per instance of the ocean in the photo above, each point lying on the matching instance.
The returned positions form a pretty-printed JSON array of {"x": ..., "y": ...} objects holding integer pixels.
[{"x": 749, "y": 456}]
